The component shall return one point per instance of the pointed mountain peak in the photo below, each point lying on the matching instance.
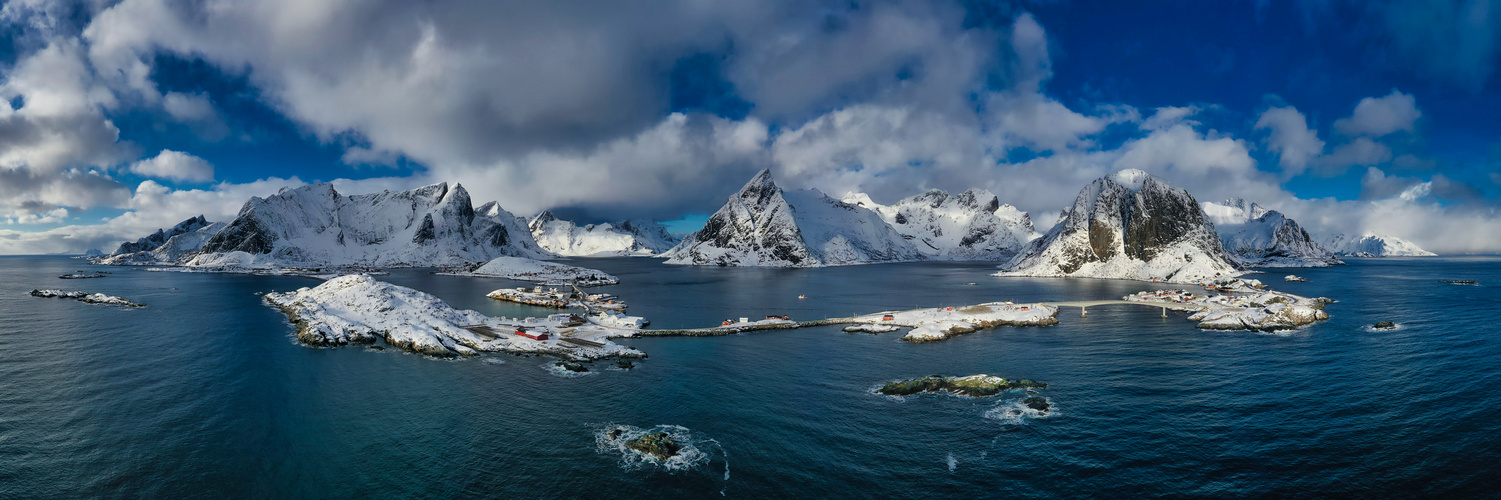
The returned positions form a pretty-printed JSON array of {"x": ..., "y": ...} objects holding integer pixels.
[
  {"x": 761, "y": 181},
  {"x": 1131, "y": 178},
  {"x": 858, "y": 199},
  {"x": 544, "y": 217},
  {"x": 759, "y": 189}
]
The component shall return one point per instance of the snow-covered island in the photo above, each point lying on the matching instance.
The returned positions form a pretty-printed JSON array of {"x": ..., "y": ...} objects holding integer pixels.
[
  {"x": 1231, "y": 306},
  {"x": 524, "y": 269},
  {"x": 940, "y": 323},
  {"x": 361, "y": 309},
  {"x": 86, "y": 297}
]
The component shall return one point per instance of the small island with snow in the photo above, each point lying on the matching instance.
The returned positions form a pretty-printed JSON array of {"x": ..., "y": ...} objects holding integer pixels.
[
  {"x": 524, "y": 269},
  {"x": 360, "y": 309}
]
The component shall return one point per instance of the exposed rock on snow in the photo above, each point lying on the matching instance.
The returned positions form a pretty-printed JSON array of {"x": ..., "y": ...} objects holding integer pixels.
[
  {"x": 977, "y": 386},
  {"x": 940, "y": 323},
  {"x": 763, "y": 226},
  {"x": 317, "y": 226},
  {"x": 971, "y": 226},
  {"x": 85, "y": 297},
  {"x": 357, "y": 308},
  {"x": 871, "y": 328},
  {"x": 165, "y": 246},
  {"x": 1374, "y": 245},
  {"x": 1128, "y": 225},
  {"x": 524, "y": 269},
  {"x": 1256, "y": 237},
  {"x": 637, "y": 238}
]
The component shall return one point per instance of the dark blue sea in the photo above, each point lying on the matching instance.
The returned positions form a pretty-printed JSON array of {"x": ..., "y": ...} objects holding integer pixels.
[{"x": 205, "y": 393}]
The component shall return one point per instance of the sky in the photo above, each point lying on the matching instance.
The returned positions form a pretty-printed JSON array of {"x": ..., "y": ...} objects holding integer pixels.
[{"x": 121, "y": 117}]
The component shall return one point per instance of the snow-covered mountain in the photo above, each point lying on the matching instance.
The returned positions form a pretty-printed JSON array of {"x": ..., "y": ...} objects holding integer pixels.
[
  {"x": 971, "y": 226},
  {"x": 165, "y": 246},
  {"x": 624, "y": 238},
  {"x": 1374, "y": 245},
  {"x": 161, "y": 236},
  {"x": 1128, "y": 225},
  {"x": 1256, "y": 237},
  {"x": 762, "y": 225},
  {"x": 316, "y": 225}
]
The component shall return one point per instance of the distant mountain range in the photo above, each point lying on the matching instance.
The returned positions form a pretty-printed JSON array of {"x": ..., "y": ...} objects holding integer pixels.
[
  {"x": 315, "y": 225},
  {"x": 971, "y": 226},
  {"x": 1256, "y": 237},
  {"x": 1374, "y": 245},
  {"x": 1126, "y": 225},
  {"x": 640, "y": 238}
]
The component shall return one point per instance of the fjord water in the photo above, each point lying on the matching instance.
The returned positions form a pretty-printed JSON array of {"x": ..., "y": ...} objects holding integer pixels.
[{"x": 205, "y": 393}]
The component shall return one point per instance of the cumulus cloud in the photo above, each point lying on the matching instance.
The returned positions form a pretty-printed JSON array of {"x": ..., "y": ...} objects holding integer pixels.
[
  {"x": 1378, "y": 116},
  {"x": 1294, "y": 142},
  {"x": 562, "y": 104},
  {"x": 174, "y": 165},
  {"x": 56, "y": 143},
  {"x": 1359, "y": 152}
]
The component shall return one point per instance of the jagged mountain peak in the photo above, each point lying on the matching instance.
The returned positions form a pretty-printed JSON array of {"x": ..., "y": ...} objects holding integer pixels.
[
  {"x": 1131, "y": 178},
  {"x": 1128, "y": 225},
  {"x": 763, "y": 226}
]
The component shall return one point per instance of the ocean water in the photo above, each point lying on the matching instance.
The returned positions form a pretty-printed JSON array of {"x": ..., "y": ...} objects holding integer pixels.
[{"x": 205, "y": 393}]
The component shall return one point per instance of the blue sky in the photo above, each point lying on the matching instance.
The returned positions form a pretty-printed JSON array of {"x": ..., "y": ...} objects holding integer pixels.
[{"x": 1350, "y": 116}]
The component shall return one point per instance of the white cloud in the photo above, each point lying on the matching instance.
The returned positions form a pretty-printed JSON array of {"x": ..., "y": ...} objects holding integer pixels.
[
  {"x": 1168, "y": 116},
  {"x": 174, "y": 165},
  {"x": 53, "y": 147},
  {"x": 54, "y": 216},
  {"x": 1291, "y": 138},
  {"x": 1360, "y": 152},
  {"x": 1378, "y": 116}
]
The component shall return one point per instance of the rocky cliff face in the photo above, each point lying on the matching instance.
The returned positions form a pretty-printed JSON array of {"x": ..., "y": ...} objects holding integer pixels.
[
  {"x": 971, "y": 226},
  {"x": 1374, "y": 245},
  {"x": 316, "y": 225},
  {"x": 763, "y": 226},
  {"x": 1256, "y": 237},
  {"x": 624, "y": 238},
  {"x": 161, "y": 236},
  {"x": 165, "y": 246},
  {"x": 1128, "y": 225}
]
